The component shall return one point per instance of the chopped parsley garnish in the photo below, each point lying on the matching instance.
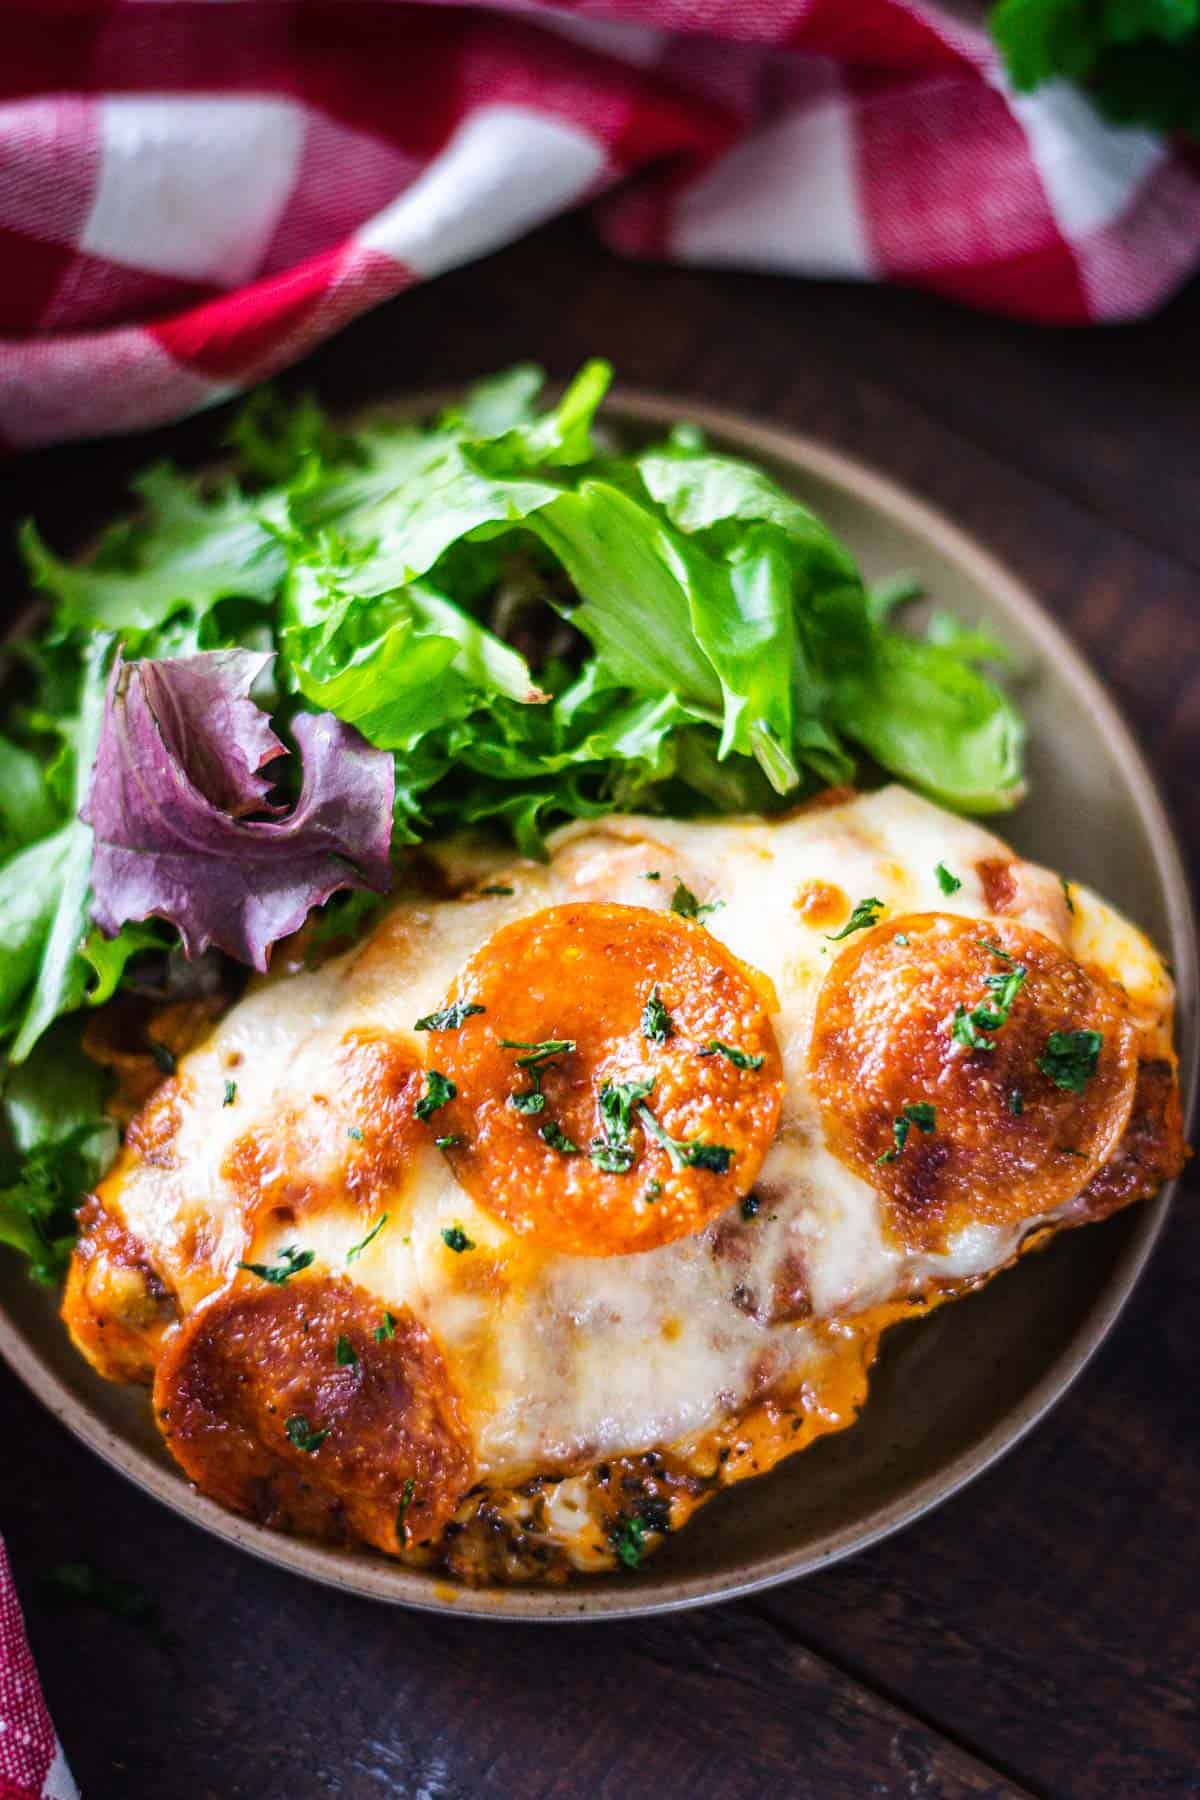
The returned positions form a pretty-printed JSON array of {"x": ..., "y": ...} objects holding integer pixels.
[
  {"x": 656, "y": 1020},
  {"x": 438, "y": 1089},
  {"x": 970, "y": 1023},
  {"x": 450, "y": 1017},
  {"x": 1069, "y": 1059},
  {"x": 446, "y": 1143},
  {"x": 496, "y": 887},
  {"x": 538, "y": 1053},
  {"x": 356, "y": 1250},
  {"x": 741, "y": 1059},
  {"x": 163, "y": 1057},
  {"x": 1066, "y": 1150},
  {"x": 355, "y": 1132},
  {"x": 406, "y": 1494},
  {"x": 1016, "y": 1103},
  {"x": 920, "y": 1114},
  {"x": 685, "y": 903},
  {"x": 553, "y": 1134},
  {"x": 687, "y": 1153},
  {"x": 344, "y": 1353},
  {"x": 948, "y": 883},
  {"x": 290, "y": 1263},
  {"x": 865, "y": 914},
  {"x": 901, "y": 937},
  {"x": 1066, "y": 888},
  {"x": 300, "y": 1433},
  {"x": 994, "y": 950},
  {"x": 652, "y": 875},
  {"x": 230, "y": 1093},
  {"x": 528, "y": 1100},
  {"x": 387, "y": 1330},
  {"x": 456, "y": 1239},
  {"x": 628, "y": 1539},
  {"x": 750, "y": 1206},
  {"x": 653, "y": 1192},
  {"x": 628, "y": 1536},
  {"x": 612, "y": 1151}
]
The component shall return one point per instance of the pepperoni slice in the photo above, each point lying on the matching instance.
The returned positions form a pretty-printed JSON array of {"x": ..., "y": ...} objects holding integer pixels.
[
  {"x": 584, "y": 975},
  {"x": 281, "y": 1402},
  {"x": 1004, "y": 1141}
]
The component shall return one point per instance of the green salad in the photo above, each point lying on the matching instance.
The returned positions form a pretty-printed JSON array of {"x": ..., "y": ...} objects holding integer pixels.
[{"x": 254, "y": 696}]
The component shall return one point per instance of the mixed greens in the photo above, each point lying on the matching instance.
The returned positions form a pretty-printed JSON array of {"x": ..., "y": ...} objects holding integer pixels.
[
  {"x": 501, "y": 620},
  {"x": 1138, "y": 59}
]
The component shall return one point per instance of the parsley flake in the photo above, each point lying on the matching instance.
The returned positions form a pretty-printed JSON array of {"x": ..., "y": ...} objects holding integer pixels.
[
  {"x": 613, "y": 1151},
  {"x": 438, "y": 1089},
  {"x": 628, "y": 1539},
  {"x": 447, "y": 1142},
  {"x": 902, "y": 937},
  {"x": 497, "y": 887},
  {"x": 344, "y": 1353},
  {"x": 406, "y": 1494},
  {"x": 687, "y": 1153},
  {"x": 356, "y": 1250},
  {"x": 920, "y": 1114},
  {"x": 355, "y": 1132},
  {"x": 1016, "y": 1103},
  {"x": 653, "y": 1192},
  {"x": 553, "y": 1134},
  {"x": 456, "y": 1239},
  {"x": 450, "y": 1017},
  {"x": 657, "y": 1025},
  {"x": 528, "y": 1100},
  {"x": 685, "y": 903},
  {"x": 652, "y": 875},
  {"x": 865, "y": 914},
  {"x": 300, "y": 1433},
  {"x": 1069, "y": 1059},
  {"x": 162, "y": 1056},
  {"x": 1066, "y": 888},
  {"x": 387, "y": 1330},
  {"x": 741, "y": 1059},
  {"x": 230, "y": 1093},
  {"x": 948, "y": 883},
  {"x": 750, "y": 1206},
  {"x": 290, "y": 1263},
  {"x": 538, "y": 1053},
  {"x": 969, "y": 1024}
]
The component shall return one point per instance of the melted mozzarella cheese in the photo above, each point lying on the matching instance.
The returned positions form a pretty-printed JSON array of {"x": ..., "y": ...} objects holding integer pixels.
[{"x": 559, "y": 1359}]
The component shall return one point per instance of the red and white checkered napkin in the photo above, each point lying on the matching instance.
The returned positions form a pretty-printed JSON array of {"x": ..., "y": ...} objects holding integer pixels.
[
  {"x": 32, "y": 1765},
  {"x": 192, "y": 196}
]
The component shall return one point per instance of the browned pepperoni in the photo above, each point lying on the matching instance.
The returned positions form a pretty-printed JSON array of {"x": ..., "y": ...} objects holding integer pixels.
[
  {"x": 583, "y": 974},
  {"x": 376, "y": 1447},
  {"x": 882, "y": 1043}
]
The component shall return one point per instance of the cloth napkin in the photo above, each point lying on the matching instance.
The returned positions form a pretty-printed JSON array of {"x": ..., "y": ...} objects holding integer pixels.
[
  {"x": 32, "y": 1765},
  {"x": 192, "y": 196}
]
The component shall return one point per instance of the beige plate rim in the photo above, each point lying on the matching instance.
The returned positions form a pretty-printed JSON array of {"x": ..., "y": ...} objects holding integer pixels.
[{"x": 362, "y": 1573}]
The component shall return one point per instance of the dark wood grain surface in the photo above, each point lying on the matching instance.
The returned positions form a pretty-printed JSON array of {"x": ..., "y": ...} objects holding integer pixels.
[{"x": 1038, "y": 1634}]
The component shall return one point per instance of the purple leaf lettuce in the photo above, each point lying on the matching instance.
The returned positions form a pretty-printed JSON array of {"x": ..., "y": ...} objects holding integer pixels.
[{"x": 177, "y": 773}]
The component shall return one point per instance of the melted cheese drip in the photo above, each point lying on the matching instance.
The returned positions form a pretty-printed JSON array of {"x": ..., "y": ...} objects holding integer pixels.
[{"x": 562, "y": 1360}]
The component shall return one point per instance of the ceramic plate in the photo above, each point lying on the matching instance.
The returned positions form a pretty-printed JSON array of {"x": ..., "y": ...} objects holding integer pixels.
[{"x": 949, "y": 1394}]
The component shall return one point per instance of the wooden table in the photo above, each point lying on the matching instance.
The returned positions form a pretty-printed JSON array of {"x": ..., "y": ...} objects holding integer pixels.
[{"x": 1038, "y": 1634}]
